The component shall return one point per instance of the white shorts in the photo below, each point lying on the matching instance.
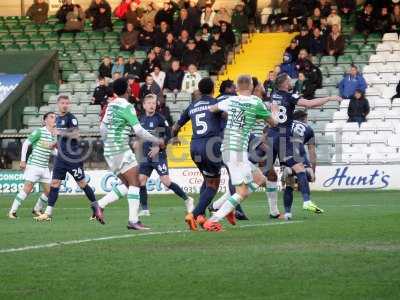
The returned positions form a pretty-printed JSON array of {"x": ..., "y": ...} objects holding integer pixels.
[
  {"x": 37, "y": 174},
  {"x": 240, "y": 168},
  {"x": 122, "y": 162}
]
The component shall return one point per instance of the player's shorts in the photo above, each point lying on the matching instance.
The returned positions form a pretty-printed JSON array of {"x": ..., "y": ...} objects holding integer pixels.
[
  {"x": 37, "y": 174},
  {"x": 240, "y": 168},
  {"x": 206, "y": 154},
  {"x": 62, "y": 167},
  {"x": 147, "y": 167},
  {"x": 121, "y": 162}
]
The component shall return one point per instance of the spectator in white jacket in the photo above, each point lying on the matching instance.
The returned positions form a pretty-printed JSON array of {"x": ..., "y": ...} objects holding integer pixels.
[
  {"x": 158, "y": 76},
  {"x": 191, "y": 79},
  {"x": 207, "y": 17}
]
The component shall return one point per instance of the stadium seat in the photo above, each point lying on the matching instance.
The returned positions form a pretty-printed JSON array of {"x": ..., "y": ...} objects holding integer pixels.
[
  {"x": 83, "y": 67},
  {"x": 80, "y": 87},
  {"x": 111, "y": 37},
  {"x": 344, "y": 60},
  {"x": 12, "y": 47},
  {"x": 76, "y": 77},
  {"x": 64, "y": 57},
  {"x": 392, "y": 36},
  {"x": 384, "y": 47},
  {"x": 357, "y": 38},
  {"x": 7, "y": 39},
  {"x": 72, "y": 48},
  {"x": 337, "y": 70},
  {"x": 93, "y": 109},
  {"x": 42, "y": 47},
  {"x": 51, "y": 36},
  {"x": 66, "y": 88},
  {"x": 352, "y": 49},
  {"x": 371, "y": 91},
  {"x": 93, "y": 57},
  {"x": 27, "y": 47},
  {"x": 89, "y": 77},
  {"x": 370, "y": 49},
  {"x": 328, "y": 60},
  {"x": 374, "y": 38},
  {"x": 360, "y": 58},
  {"x": 324, "y": 92}
]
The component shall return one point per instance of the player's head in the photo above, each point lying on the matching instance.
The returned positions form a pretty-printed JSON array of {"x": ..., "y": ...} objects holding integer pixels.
[
  {"x": 63, "y": 104},
  {"x": 227, "y": 87},
  {"x": 283, "y": 82},
  {"x": 206, "y": 86},
  {"x": 120, "y": 87},
  {"x": 300, "y": 115},
  {"x": 150, "y": 104},
  {"x": 245, "y": 84},
  {"x": 49, "y": 119}
]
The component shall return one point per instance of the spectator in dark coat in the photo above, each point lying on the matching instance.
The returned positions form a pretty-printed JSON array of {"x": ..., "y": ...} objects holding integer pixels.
[
  {"x": 215, "y": 59},
  {"x": 227, "y": 35},
  {"x": 64, "y": 10},
  {"x": 293, "y": 48},
  {"x": 304, "y": 87},
  {"x": 358, "y": 108},
  {"x": 288, "y": 66},
  {"x": 335, "y": 42},
  {"x": 317, "y": 43},
  {"x": 146, "y": 37},
  {"x": 133, "y": 67},
  {"x": 101, "y": 93},
  {"x": 75, "y": 21},
  {"x": 346, "y": 7},
  {"x": 383, "y": 21},
  {"x": 150, "y": 87},
  {"x": 181, "y": 44},
  {"x": 174, "y": 77},
  {"x": 170, "y": 44},
  {"x": 365, "y": 20},
  {"x": 150, "y": 62},
  {"x": 165, "y": 14},
  {"x": 191, "y": 55},
  {"x": 99, "y": 12},
  {"x": 351, "y": 82},
  {"x": 129, "y": 38},
  {"x": 395, "y": 19},
  {"x": 240, "y": 21},
  {"x": 303, "y": 39},
  {"x": 133, "y": 15},
  {"x": 201, "y": 44},
  {"x": 106, "y": 68},
  {"x": 194, "y": 14},
  {"x": 269, "y": 85},
  {"x": 160, "y": 36},
  {"x": 166, "y": 61},
  {"x": 38, "y": 11},
  {"x": 325, "y": 7},
  {"x": 184, "y": 23}
]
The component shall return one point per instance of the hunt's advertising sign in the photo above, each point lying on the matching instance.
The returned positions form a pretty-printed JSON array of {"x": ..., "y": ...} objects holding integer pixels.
[{"x": 327, "y": 178}]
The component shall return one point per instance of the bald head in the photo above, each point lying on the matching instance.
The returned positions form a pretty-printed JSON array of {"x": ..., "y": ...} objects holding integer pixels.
[{"x": 245, "y": 84}]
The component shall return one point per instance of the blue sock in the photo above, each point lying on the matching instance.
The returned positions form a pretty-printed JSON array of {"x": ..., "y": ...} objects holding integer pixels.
[
  {"x": 178, "y": 191},
  {"x": 303, "y": 186},
  {"x": 203, "y": 187},
  {"x": 232, "y": 189},
  {"x": 143, "y": 198},
  {"x": 53, "y": 195},
  {"x": 288, "y": 199},
  {"x": 89, "y": 193},
  {"x": 205, "y": 200}
]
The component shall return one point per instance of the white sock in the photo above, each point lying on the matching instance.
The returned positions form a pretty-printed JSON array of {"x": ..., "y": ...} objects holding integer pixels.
[
  {"x": 218, "y": 203},
  {"x": 272, "y": 196},
  {"x": 133, "y": 203},
  {"x": 116, "y": 193},
  {"x": 40, "y": 203},
  {"x": 21, "y": 196},
  {"x": 226, "y": 208},
  {"x": 49, "y": 210}
]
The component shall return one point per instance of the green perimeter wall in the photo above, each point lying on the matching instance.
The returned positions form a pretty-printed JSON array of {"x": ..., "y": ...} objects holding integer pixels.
[{"x": 40, "y": 68}]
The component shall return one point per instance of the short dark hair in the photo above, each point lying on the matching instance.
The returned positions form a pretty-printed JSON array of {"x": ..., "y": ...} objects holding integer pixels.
[
  {"x": 281, "y": 79},
  {"x": 226, "y": 84},
  {"x": 120, "y": 86},
  {"x": 62, "y": 97},
  {"x": 300, "y": 115},
  {"x": 48, "y": 114},
  {"x": 206, "y": 86}
]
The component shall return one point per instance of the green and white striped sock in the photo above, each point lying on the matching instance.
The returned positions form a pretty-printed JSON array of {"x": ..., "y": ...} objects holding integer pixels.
[
  {"x": 21, "y": 196},
  {"x": 133, "y": 203},
  {"x": 226, "y": 208},
  {"x": 40, "y": 203},
  {"x": 272, "y": 196}
]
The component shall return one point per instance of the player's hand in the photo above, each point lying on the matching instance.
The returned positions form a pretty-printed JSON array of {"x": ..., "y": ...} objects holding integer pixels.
[
  {"x": 161, "y": 143},
  {"x": 22, "y": 165},
  {"x": 274, "y": 109},
  {"x": 176, "y": 141},
  {"x": 154, "y": 151},
  {"x": 336, "y": 98}
]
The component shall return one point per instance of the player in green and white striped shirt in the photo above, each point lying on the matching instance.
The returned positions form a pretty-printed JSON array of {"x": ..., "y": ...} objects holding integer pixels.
[
  {"x": 242, "y": 111},
  {"x": 119, "y": 120},
  {"x": 43, "y": 142}
]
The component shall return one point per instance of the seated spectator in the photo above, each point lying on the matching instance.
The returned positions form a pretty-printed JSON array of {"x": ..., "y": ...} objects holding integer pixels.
[
  {"x": 215, "y": 59},
  {"x": 358, "y": 109},
  {"x": 181, "y": 44},
  {"x": 288, "y": 66},
  {"x": 240, "y": 21},
  {"x": 203, "y": 3},
  {"x": 316, "y": 16},
  {"x": 64, "y": 10},
  {"x": 302, "y": 60},
  {"x": 170, "y": 44},
  {"x": 166, "y": 61},
  {"x": 158, "y": 76},
  {"x": 205, "y": 33},
  {"x": 383, "y": 21},
  {"x": 191, "y": 79},
  {"x": 395, "y": 19},
  {"x": 207, "y": 17},
  {"x": 227, "y": 35},
  {"x": 293, "y": 49},
  {"x": 165, "y": 14},
  {"x": 146, "y": 37},
  {"x": 313, "y": 75},
  {"x": 101, "y": 93},
  {"x": 149, "y": 14},
  {"x": 174, "y": 77},
  {"x": 149, "y": 87},
  {"x": 310, "y": 25},
  {"x": 38, "y": 11},
  {"x": 201, "y": 44},
  {"x": 116, "y": 75},
  {"x": 303, "y": 87},
  {"x": 317, "y": 43},
  {"x": 129, "y": 38},
  {"x": 133, "y": 67},
  {"x": 351, "y": 82},
  {"x": 122, "y": 9},
  {"x": 106, "y": 67},
  {"x": 134, "y": 15},
  {"x": 191, "y": 55},
  {"x": 222, "y": 16},
  {"x": 365, "y": 20},
  {"x": 216, "y": 38},
  {"x": 346, "y": 7},
  {"x": 184, "y": 23},
  {"x": 194, "y": 13},
  {"x": 75, "y": 20},
  {"x": 134, "y": 89},
  {"x": 334, "y": 18},
  {"x": 269, "y": 85},
  {"x": 99, "y": 12},
  {"x": 303, "y": 39},
  {"x": 325, "y": 7},
  {"x": 325, "y": 30},
  {"x": 150, "y": 62},
  {"x": 160, "y": 35},
  {"x": 119, "y": 66},
  {"x": 335, "y": 42}
]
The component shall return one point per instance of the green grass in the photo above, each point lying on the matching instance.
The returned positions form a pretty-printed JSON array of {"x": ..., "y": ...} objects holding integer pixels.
[{"x": 350, "y": 252}]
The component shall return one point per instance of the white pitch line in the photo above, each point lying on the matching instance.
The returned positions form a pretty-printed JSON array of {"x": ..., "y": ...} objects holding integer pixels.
[{"x": 125, "y": 236}]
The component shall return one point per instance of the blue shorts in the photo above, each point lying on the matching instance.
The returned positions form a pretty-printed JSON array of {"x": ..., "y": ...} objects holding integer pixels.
[
  {"x": 206, "y": 154},
  {"x": 147, "y": 167},
  {"x": 62, "y": 167}
]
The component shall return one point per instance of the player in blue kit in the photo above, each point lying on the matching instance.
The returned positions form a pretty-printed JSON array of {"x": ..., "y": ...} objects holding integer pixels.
[
  {"x": 205, "y": 147},
  {"x": 279, "y": 138},
  {"x": 302, "y": 134},
  {"x": 68, "y": 160},
  {"x": 152, "y": 158}
]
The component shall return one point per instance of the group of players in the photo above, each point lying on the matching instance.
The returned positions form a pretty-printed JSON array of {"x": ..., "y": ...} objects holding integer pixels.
[{"x": 237, "y": 131}]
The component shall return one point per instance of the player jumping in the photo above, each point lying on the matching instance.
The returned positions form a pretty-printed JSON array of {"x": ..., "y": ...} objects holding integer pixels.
[
  {"x": 43, "y": 141},
  {"x": 155, "y": 158}
]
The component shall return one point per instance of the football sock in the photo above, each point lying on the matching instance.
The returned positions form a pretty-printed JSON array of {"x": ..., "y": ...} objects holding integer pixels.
[
  {"x": 272, "y": 196},
  {"x": 133, "y": 203},
  {"x": 288, "y": 199},
  {"x": 205, "y": 200},
  {"x": 304, "y": 186},
  {"x": 178, "y": 191},
  {"x": 143, "y": 198},
  {"x": 117, "y": 192},
  {"x": 226, "y": 208},
  {"x": 218, "y": 203},
  {"x": 239, "y": 208},
  {"x": 53, "y": 195},
  {"x": 49, "y": 210},
  {"x": 40, "y": 203},
  {"x": 21, "y": 196},
  {"x": 232, "y": 188},
  {"x": 89, "y": 193},
  {"x": 203, "y": 186}
]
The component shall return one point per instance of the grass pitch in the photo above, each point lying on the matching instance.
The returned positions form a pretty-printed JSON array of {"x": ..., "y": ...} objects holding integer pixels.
[{"x": 350, "y": 252}]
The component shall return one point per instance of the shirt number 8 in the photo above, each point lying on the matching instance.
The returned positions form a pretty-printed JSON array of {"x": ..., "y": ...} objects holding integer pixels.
[{"x": 282, "y": 117}]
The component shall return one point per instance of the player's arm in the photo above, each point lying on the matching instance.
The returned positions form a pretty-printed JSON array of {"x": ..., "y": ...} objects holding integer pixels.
[
  {"x": 312, "y": 153},
  {"x": 32, "y": 138},
  {"x": 317, "y": 102},
  {"x": 272, "y": 119},
  {"x": 221, "y": 106},
  {"x": 183, "y": 119}
]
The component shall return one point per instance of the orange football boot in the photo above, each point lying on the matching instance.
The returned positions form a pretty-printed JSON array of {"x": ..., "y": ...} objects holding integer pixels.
[
  {"x": 189, "y": 219},
  {"x": 231, "y": 217},
  {"x": 212, "y": 226}
]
